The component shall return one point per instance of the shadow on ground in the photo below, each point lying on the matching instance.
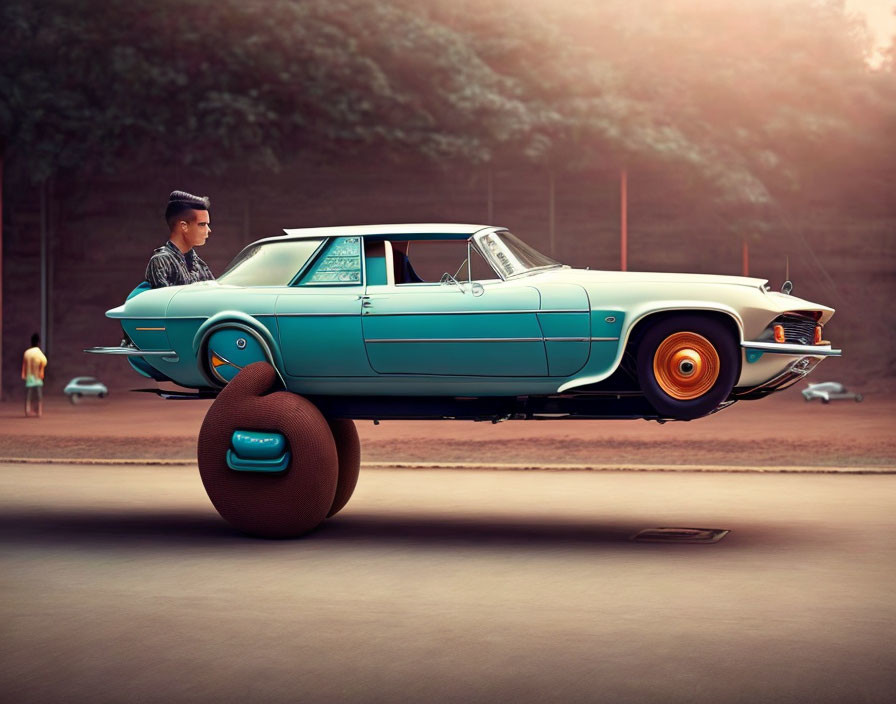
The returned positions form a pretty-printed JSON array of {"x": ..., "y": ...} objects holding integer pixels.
[{"x": 116, "y": 529}]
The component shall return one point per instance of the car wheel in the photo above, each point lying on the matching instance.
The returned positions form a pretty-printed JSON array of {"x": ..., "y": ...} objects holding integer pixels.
[
  {"x": 825, "y": 400},
  {"x": 348, "y": 448},
  {"x": 75, "y": 398},
  {"x": 859, "y": 398},
  {"x": 283, "y": 504},
  {"x": 101, "y": 395},
  {"x": 687, "y": 365}
]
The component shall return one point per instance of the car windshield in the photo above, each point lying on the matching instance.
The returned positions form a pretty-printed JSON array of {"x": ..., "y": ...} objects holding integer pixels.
[
  {"x": 510, "y": 256},
  {"x": 269, "y": 263}
]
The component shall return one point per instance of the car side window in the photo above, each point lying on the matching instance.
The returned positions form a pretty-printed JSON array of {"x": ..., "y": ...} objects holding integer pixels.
[
  {"x": 338, "y": 265},
  {"x": 426, "y": 261}
]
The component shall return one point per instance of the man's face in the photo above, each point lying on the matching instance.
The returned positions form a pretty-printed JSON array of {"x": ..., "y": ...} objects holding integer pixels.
[{"x": 197, "y": 230}]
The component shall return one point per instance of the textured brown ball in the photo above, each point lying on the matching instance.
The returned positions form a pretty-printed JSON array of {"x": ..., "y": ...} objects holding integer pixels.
[
  {"x": 348, "y": 447},
  {"x": 272, "y": 506}
]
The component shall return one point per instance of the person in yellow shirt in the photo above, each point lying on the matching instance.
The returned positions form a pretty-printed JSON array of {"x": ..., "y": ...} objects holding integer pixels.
[{"x": 33, "y": 365}]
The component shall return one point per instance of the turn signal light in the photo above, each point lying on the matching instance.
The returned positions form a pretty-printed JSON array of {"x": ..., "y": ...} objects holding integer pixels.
[
  {"x": 779, "y": 333},
  {"x": 817, "y": 339}
]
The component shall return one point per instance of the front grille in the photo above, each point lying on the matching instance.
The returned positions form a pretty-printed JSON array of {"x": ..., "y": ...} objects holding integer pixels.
[{"x": 800, "y": 331}]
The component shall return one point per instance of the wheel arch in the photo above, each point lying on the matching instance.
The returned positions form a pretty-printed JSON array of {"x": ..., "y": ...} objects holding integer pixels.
[
  {"x": 639, "y": 325},
  {"x": 638, "y": 320}
]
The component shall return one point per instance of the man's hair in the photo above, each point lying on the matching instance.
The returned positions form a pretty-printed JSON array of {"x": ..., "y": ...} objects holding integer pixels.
[
  {"x": 179, "y": 202},
  {"x": 35, "y": 340}
]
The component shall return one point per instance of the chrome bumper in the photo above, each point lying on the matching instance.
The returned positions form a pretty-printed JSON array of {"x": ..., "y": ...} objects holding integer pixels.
[
  {"x": 794, "y": 372},
  {"x": 127, "y": 351},
  {"x": 784, "y": 348}
]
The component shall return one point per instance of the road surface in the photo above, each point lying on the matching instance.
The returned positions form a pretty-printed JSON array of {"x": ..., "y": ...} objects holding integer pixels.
[{"x": 122, "y": 584}]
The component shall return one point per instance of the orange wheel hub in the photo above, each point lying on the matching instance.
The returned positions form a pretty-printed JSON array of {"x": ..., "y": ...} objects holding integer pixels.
[{"x": 686, "y": 365}]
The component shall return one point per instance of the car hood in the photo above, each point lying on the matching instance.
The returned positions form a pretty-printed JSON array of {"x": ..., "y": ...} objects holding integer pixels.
[
  {"x": 154, "y": 302},
  {"x": 774, "y": 300},
  {"x": 568, "y": 275}
]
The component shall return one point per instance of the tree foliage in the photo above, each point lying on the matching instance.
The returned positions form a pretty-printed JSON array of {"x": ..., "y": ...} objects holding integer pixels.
[{"x": 752, "y": 99}]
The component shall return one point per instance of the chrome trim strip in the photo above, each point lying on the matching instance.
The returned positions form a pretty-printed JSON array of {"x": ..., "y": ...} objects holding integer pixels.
[
  {"x": 317, "y": 315},
  {"x": 471, "y": 312},
  {"x": 144, "y": 329},
  {"x": 131, "y": 352},
  {"x": 493, "y": 339},
  {"x": 782, "y": 348},
  {"x": 310, "y": 315},
  {"x": 458, "y": 339},
  {"x": 182, "y": 317},
  {"x": 581, "y": 339}
]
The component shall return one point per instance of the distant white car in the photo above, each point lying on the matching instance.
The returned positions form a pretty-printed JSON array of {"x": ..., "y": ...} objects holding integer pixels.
[
  {"x": 829, "y": 391},
  {"x": 85, "y": 386}
]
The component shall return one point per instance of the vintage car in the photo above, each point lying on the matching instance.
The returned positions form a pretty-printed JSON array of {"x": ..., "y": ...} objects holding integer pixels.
[
  {"x": 829, "y": 391},
  {"x": 467, "y": 322},
  {"x": 84, "y": 386}
]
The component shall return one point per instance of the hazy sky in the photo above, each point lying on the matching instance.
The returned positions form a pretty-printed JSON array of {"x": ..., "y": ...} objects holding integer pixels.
[{"x": 880, "y": 17}]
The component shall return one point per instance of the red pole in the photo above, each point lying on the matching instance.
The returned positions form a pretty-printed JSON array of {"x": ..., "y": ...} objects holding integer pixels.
[
  {"x": 623, "y": 207},
  {"x": 746, "y": 259},
  {"x": 1, "y": 270}
]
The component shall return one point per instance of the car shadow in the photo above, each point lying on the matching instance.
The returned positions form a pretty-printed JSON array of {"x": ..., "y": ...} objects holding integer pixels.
[
  {"x": 533, "y": 533},
  {"x": 191, "y": 529}
]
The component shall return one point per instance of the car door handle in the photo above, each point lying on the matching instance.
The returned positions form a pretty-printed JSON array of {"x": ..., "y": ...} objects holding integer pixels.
[{"x": 365, "y": 301}]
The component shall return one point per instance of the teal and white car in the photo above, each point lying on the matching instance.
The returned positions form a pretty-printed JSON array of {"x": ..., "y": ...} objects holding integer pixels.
[
  {"x": 493, "y": 329},
  {"x": 309, "y": 330}
]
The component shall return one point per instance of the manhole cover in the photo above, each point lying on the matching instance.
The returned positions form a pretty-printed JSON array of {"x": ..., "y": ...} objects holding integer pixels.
[{"x": 680, "y": 535}]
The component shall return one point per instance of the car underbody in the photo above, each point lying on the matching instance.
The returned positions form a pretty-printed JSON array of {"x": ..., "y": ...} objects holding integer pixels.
[{"x": 617, "y": 397}]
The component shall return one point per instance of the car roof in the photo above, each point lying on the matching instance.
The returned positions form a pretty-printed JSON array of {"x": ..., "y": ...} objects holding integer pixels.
[{"x": 410, "y": 230}]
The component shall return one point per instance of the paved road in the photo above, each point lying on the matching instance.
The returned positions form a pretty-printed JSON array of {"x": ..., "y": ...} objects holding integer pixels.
[{"x": 121, "y": 584}]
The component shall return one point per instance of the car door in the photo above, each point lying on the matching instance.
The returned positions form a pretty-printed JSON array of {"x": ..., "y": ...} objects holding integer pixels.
[
  {"x": 454, "y": 329},
  {"x": 319, "y": 317},
  {"x": 565, "y": 320}
]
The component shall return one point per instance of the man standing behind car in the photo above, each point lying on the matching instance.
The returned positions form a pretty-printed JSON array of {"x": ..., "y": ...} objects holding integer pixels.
[{"x": 176, "y": 263}]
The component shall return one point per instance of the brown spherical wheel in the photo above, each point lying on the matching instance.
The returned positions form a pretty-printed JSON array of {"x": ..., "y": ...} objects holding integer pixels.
[
  {"x": 688, "y": 365},
  {"x": 348, "y": 447},
  {"x": 282, "y": 505}
]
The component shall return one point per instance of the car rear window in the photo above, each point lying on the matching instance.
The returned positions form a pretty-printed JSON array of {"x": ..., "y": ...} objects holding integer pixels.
[
  {"x": 269, "y": 263},
  {"x": 340, "y": 265}
]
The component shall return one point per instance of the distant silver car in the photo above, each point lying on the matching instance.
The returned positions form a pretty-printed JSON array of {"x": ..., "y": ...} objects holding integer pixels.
[
  {"x": 85, "y": 386},
  {"x": 829, "y": 391}
]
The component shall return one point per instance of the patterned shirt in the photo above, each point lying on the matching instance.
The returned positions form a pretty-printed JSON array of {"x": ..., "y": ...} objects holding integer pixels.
[{"x": 168, "y": 266}]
